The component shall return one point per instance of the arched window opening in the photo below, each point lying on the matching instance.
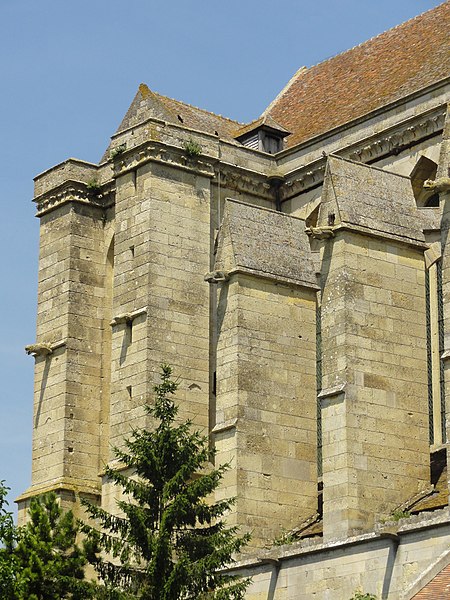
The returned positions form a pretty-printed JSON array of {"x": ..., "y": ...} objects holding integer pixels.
[{"x": 424, "y": 169}]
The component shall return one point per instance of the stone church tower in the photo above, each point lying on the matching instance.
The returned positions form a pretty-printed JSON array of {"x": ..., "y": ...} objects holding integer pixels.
[{"x": 295, "y": 272}]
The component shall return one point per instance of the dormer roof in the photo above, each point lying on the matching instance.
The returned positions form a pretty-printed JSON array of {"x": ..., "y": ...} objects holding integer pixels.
[{"x": 267, "y": 123}]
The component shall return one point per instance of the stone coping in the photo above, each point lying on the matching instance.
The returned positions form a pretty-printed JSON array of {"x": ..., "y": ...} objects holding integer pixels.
[
  {"x": 65, "y": 484},
  {"x": 391, "y": 530}
]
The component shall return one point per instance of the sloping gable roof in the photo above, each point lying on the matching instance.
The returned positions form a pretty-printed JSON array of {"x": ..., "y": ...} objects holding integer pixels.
[
  {"x": 396, "y": 63},
  {"x": 370, "y": 199},
  {"x": 266, "y": 121},
  {"x": 265, "y": 243},
  {"x": 148, "y": 104}
]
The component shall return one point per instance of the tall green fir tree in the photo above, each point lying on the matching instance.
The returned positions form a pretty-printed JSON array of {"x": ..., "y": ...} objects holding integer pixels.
[
  {"x": 48, "y": 561},
  {"x": 168, "y": 540}
]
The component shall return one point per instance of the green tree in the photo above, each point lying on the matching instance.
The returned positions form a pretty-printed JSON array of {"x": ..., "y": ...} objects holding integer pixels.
[
  {"x": 168, "y": 542},
  {"x": 49, "y": 563},
  {"x": 8, "y": 535},
  {"x": 360, "y": 595}
]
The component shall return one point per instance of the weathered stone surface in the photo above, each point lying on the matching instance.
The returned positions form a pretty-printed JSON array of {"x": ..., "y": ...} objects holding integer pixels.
[
  {"x": 369, "y": 198},
  {"x": 315, "y": 354},
  {"x": 266, "y": 242}
]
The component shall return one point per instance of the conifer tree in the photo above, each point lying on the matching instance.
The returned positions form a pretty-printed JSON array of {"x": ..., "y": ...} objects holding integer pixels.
[
  {"x": 8, "y": 536},
  {"x": 49, "y": 563},
  {"x": 167, "y": 542}
]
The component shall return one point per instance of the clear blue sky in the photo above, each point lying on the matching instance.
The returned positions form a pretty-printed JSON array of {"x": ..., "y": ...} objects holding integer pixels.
[{"x": 69, "y": 70}]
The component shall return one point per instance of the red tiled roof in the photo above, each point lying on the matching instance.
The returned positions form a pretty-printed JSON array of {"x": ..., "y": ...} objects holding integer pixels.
[
  {"x": 394, "y": 64},
  {"x": 438, "y": 588}
]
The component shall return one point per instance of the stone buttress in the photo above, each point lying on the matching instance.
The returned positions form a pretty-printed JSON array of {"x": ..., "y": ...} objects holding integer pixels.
[
  {"x": 374, "y": 362},
  {"x": 69, "y": 405},
  {"x": 266, "y": 370},
  {"x": 160, "y": 300},
  {"x": 442, "y": 186}
]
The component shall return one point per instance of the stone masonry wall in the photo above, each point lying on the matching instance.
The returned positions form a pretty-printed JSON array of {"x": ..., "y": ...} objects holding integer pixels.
[
  {"x": 162, "y": 247},
  {"x": 266, "y": 404},
  {"x": 374, "y": 399},
  {"x": 68, "y": 384},
  {"x": 392, "y": 567}
]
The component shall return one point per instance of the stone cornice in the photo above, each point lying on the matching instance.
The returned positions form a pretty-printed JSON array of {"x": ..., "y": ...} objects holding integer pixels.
[
  {"x": 75, "y": 191},
  {"x": 130, "y": 160},
  {"x": 308, "y": 177},
  {"x": 221, "y": 173},
  {"x": 390, "y": 141},
  {"x": 244, "y": 181},
  {"x": 395, "y": 139}
]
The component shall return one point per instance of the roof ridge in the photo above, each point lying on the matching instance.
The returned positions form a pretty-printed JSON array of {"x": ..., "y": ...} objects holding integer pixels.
[
  {"x": 374, "y": 37},
  {"x": 303, "y": 70},
  {"x": 254, "y": 120},
  {"x": 209, "y": 112},
  {"x": 285, "y": 89},
  {"x": 263, "y": 208}
]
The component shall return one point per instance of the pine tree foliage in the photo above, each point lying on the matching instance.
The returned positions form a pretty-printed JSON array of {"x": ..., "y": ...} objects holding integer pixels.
[
  {"x": 8, "y": 536},
  {"x": 167, "y": 542},
  {"x": 49, "y": 563}
]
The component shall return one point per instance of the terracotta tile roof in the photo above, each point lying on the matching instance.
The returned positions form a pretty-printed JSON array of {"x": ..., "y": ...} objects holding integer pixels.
[
  {"x": 438, "y": 588},
  {"x": 148, "y": 104},
  {"x": 394, "y": 64}
]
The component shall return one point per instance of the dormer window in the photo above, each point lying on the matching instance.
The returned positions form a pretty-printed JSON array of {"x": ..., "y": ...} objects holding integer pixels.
[{"x": 264, "y": 134}]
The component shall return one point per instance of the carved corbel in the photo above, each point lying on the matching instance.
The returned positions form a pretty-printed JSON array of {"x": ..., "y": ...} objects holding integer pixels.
[
  {"x": 320, "y": 233},
  {"x": 38, "y": 349},
  {"x": 442, "y": 184},
  {"x": 122, "y": 318},
  {"x": 128, "y": 317},
  {"x": 43, "y": 348},
  {"x": 216, "y": 276}
]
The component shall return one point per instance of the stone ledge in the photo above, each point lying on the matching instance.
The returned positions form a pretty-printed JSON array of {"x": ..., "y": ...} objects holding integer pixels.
[
  {"x": 272, "y": 277},
  {"x": 316, "y": 545},
  {"x": 64, "y": 484},
  {"x": 332, "y": 391},
  {"x": 225, "y": 426},
  {"x": 374, "y": 233}
]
